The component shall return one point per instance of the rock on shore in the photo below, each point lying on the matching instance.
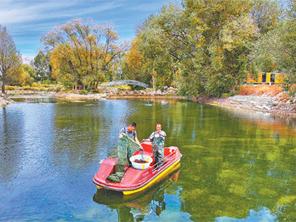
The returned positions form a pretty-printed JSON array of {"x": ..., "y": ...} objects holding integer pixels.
[
  {"x": 3, "y": 101},
  {"x": 280, "y": 104},
  {"x": 114, "y": 92}
]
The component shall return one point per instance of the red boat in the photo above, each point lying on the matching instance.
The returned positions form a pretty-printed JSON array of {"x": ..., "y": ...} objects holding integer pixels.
[{"x": 134, "y": 180}]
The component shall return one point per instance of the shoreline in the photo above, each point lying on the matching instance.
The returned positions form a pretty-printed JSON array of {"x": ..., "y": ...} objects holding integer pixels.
[
  {"x": 4, "y": 101},
  {"x": 278, "y": 106},
  {"x": 265, "y": 104}
]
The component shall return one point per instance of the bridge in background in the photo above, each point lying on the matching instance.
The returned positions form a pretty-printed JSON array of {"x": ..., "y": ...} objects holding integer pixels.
[{"x": 125, "y": 82}]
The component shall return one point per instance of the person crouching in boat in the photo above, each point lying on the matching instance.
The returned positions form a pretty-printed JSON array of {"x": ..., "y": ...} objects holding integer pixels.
[
  {"x": 128, "y": 143},
  {"x": 157, "y": 138}
]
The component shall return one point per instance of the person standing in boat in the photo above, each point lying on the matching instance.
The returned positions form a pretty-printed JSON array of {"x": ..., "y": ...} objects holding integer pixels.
[
  {"x": 128, "y": 143},
  {"x": 157, "y": 138},
  {"x": 127, "y": 148},
  {"x": 130, "y": 131}
]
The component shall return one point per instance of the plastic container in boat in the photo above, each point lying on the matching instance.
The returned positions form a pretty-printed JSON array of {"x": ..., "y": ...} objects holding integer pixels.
[{"x": 147, "y": 160}]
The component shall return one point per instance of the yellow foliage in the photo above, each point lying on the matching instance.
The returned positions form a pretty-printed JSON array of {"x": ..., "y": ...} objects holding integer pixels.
[
  {"x": 11, "y": 87},
  {"x": 286, "y": 200},
  {"x": 123, "y": 87},
  {"x": 134, "y": 58},
  {"x": 19, "y": 76}
]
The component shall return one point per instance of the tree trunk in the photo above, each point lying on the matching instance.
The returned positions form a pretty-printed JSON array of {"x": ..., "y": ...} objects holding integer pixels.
[
  {"x": 3, "y": 84},
  {"x": 153, "y": 79},
  {"x": 153, "y": 83}
]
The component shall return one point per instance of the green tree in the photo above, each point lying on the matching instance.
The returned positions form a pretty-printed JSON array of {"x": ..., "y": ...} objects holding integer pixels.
[
  {"x": 266, "y": 14},
  {"x": 275, "y": 49},
  {"x": 201, "y": 48},
  {"x": 41, "y": 66},
  {"x": 266, "y": 54},
  {"x": 149, "y": 58},
  {"x": 10, "y": 59},
  {"x": 288, "y": 44},
  {"x": 227, "y": 30}
]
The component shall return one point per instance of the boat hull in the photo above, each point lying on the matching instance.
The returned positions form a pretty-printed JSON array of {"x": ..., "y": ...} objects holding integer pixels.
[
  {"x": 171, "y": 169},
  {"x": 136, "y": 181}
]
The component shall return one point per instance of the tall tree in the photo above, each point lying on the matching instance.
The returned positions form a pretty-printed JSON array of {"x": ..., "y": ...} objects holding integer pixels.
[
  {"x": 276, "y": 49},
  {"x": 10, "y": 59},
  {"x": 227, "y": 30},
  {"x": 133, "y": 63},
  {"x": 288, "y": 44},
  {"x": 266, "y": 14},
  {"x": 82, "y": 53},
  {"x": 161, "y": 44},
  {"x": 202, "y": 48},
  {"x": 41, "y": 66},
  {"x": 21, "y": 76}
]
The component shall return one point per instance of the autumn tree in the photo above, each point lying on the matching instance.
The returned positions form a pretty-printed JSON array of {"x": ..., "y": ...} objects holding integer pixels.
[
  {"x": 10, "y": 59},
  {"x": 23, "y": 75},
  {"x": 156, "y": 51},
  {"x": 133, "y": 63},
  {"x": 82, "y": 54}
]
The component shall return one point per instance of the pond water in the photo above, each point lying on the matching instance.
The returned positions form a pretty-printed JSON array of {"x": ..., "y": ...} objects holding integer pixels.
[{"x": 235, "y": 167}]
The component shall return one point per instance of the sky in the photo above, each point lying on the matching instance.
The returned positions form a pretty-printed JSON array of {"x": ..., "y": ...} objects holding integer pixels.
[{"x": 28, "y": 21}]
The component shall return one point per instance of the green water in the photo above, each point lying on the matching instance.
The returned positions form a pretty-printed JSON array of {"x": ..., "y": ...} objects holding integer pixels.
[{"x": 235, "y": 167}]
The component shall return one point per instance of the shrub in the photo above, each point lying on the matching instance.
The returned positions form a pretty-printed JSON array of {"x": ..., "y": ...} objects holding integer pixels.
[
  {"x": 11, "y": 87},
  {"x": 83, "y": 92}
]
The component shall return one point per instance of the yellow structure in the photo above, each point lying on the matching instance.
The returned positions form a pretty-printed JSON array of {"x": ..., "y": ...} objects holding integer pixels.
[{"x": 267, "y": 77}]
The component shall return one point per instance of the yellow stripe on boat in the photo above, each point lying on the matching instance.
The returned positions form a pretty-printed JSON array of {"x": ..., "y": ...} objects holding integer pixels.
[{"x": 161, "y": 176}]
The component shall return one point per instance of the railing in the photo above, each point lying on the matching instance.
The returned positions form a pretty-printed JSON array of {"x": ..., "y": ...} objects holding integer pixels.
[
  {"x": 156, "y": 166},
  {"x": 125, "y": 82}
]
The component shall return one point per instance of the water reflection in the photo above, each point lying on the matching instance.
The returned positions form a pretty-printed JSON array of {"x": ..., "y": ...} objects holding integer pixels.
[
  {"x": 11, "y": 134},
  {"x": 263, "y": 214},
  {"x": 231, "y": 163},
  {"x": 159, "y": 202},
  {"x": 76, "y": 134},
  {"x": 85, "y": 133}
]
